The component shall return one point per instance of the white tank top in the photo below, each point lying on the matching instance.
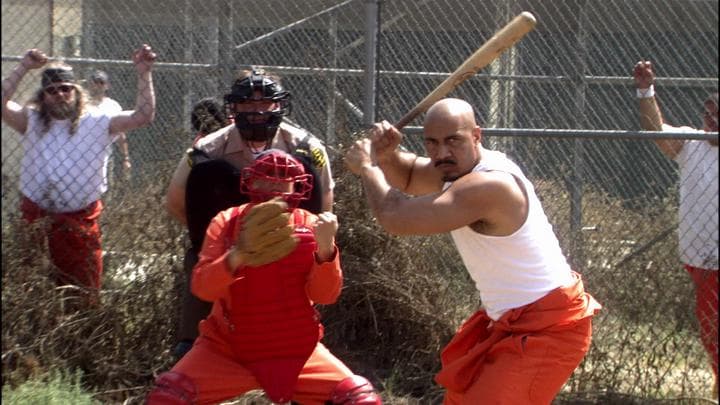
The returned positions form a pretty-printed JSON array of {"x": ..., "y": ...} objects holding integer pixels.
[
  {"x": 61, "y": 172},
  {"x": 515, "y": 270},
  {"x": 698, "y": 211}
]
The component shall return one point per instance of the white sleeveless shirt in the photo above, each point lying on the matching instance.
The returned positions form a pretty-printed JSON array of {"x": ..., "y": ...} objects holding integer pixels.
[
  {"x": 698, "y": 211},
  {"x": 515, "y": 270},
  {"x": 61, "y": 172}
]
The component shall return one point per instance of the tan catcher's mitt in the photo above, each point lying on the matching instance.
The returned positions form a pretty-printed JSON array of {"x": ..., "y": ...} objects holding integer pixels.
[{"x": 266, "y": 234}]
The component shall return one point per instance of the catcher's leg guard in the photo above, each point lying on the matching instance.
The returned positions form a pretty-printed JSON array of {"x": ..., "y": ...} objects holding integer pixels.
[
  {"x": 355, "y": 390},
  {"x": 172, "y": 389}
]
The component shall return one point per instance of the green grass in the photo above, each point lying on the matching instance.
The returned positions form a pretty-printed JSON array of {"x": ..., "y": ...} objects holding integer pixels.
[{"x": 54, "y": 388}]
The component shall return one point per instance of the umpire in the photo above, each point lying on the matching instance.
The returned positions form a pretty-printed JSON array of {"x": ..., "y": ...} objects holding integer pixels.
[{"x": 206, "y": 180}]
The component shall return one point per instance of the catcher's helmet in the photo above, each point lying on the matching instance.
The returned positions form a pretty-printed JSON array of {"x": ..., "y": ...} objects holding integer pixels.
[
  {"x": 276, "y": 166},
  {"x": 258, "y": 126}
]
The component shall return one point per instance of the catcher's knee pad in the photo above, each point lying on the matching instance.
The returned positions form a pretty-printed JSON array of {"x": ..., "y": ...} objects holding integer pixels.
[
  {"x": 355, "y": 390},
  {"x": 172, "y": 389}
]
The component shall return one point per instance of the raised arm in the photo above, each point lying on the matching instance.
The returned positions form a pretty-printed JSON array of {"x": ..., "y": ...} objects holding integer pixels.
[
  {"x": 650, "y": 116},
  {"x": 214, "y": 271},
  {"x": 13, "y": 114},
  {"x": 492, "y": 200},
  {"x": 325, "y": 279},
  {"x": 144, "y": 111},
  {"x": 405, "y": 171}
]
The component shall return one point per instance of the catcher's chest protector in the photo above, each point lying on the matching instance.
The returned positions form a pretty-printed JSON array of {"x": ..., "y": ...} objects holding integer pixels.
[{"x": 274, "y": 327}]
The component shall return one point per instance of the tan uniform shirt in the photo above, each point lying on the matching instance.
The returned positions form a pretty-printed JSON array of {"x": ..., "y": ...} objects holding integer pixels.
[{"x": 227, "y": 144}]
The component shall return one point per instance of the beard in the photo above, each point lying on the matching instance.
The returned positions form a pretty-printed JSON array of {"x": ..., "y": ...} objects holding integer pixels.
[{"x": 62, "y": 111}]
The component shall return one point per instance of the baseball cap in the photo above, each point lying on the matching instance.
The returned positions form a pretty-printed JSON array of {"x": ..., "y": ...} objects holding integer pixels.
[{"x": 100, "y": 76}]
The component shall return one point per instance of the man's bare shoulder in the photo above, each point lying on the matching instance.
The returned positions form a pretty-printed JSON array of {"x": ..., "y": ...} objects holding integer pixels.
[{"x": 482, "y": 184}]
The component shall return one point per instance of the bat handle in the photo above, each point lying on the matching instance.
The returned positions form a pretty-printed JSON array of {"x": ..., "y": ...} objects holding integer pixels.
[{"x": 407, "y": 118}]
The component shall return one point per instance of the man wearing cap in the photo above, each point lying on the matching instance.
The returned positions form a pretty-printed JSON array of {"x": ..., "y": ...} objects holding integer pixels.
[
  {"x": 98, "y": 87},
  {"x": 66, "y": 149},
  {"x": 205, "y": 181}
]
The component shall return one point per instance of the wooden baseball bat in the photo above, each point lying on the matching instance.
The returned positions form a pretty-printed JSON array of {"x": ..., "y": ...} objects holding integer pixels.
[{"x": 488, "y": 52}]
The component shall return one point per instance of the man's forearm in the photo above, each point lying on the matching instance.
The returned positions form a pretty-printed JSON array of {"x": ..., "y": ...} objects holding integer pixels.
[
  {"x": 10, "y": 83},
  {"x": 382, "y": 199},
  {"x": 397, "y": 169},
  {"x": 177, "y": 212},
  {"x": 123, "y": 144},
  {"x": 650, "y": 117},
  {"x": 651, "y": 120},
  {"x": 145, "y": 102},
  {"x": 376, "y": 188}
]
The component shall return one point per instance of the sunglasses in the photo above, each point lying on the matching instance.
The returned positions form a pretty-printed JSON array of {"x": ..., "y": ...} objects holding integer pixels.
[{"x": 64, "y": 88}]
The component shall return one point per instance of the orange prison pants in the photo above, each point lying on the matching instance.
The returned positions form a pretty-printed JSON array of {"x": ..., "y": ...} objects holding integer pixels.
[
  {"x": 73, "y": 241},
  {"x": 217, "y": 377},
  {"x": 706, "y": 309},
  {"x": 525, "y": 357}
]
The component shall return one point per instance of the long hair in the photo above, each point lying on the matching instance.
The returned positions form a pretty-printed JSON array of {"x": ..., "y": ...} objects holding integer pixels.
[
  {"x": 208, "y": 115},
  {"x": 38, "y": 102}
]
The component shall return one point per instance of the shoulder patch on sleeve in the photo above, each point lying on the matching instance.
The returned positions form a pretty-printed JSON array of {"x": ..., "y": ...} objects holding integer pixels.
[
  {"x": 318, "y": 157},
  {"x": 196, "y": 155},
  {"x": 189, "y": 157}
]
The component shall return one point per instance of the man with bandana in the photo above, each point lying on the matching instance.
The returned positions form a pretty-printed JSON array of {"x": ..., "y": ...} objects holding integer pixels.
[
  {"x": 66, "y": 149},
  {"x": 205, "y": 181}
]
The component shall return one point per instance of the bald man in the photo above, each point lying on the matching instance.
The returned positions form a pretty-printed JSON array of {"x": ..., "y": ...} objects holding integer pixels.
[{"x": 534, "y": 327}]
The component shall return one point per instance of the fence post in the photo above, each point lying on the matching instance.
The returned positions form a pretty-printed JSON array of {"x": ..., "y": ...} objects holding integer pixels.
[
  {"x": 576, "y": 185},
  {"x": 501, "y": 112},
  {"x": 330, "y": 126},
  {"x": 226, "y": 47},
  {"x": 372, "y": 17}
]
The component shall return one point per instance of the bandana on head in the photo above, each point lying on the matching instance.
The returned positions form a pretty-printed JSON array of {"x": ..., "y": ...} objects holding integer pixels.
[{"x": 57, "y": 75}]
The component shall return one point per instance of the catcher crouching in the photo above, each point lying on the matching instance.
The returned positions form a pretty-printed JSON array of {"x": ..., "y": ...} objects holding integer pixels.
[{"x": 264, "y": 265}]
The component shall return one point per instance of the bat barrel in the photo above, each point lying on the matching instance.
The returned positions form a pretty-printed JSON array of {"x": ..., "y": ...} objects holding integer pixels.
[{"x": 503, "y": 39}]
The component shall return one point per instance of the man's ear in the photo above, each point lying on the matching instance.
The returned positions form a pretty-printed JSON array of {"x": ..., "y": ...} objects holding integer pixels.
[{"x": 477, "y": 134}]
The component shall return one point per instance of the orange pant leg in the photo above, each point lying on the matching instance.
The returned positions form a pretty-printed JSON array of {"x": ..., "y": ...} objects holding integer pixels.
[
  {"x": 528, "y": 369},
  {"x": 74, "y": 241},
  {"x": 319, "y": 377},
  {"x": 217, "y": 377},
  {"x": 706, "y": 310}
]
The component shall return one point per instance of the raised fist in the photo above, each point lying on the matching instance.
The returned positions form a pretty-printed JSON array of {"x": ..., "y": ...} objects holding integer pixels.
[
  {"x": 643, "y": 74},
  {"x": 144, "y": 57},
  {"x": 34, "y": 58}
]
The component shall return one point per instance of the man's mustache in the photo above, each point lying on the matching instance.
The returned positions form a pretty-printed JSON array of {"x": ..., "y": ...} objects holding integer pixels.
[{"x": 444, "y": 162}]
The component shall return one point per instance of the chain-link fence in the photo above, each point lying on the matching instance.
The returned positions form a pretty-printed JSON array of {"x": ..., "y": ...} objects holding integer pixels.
[{"x": 561, "y": 103}]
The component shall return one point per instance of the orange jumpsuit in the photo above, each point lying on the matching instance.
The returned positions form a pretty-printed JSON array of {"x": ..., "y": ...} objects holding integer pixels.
[
  {"x": 224, "y": 364},
  {"x": 523, "y": 358},
  {"x": 74, "y": 241},
  {"x": 706, "y": 310}
]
